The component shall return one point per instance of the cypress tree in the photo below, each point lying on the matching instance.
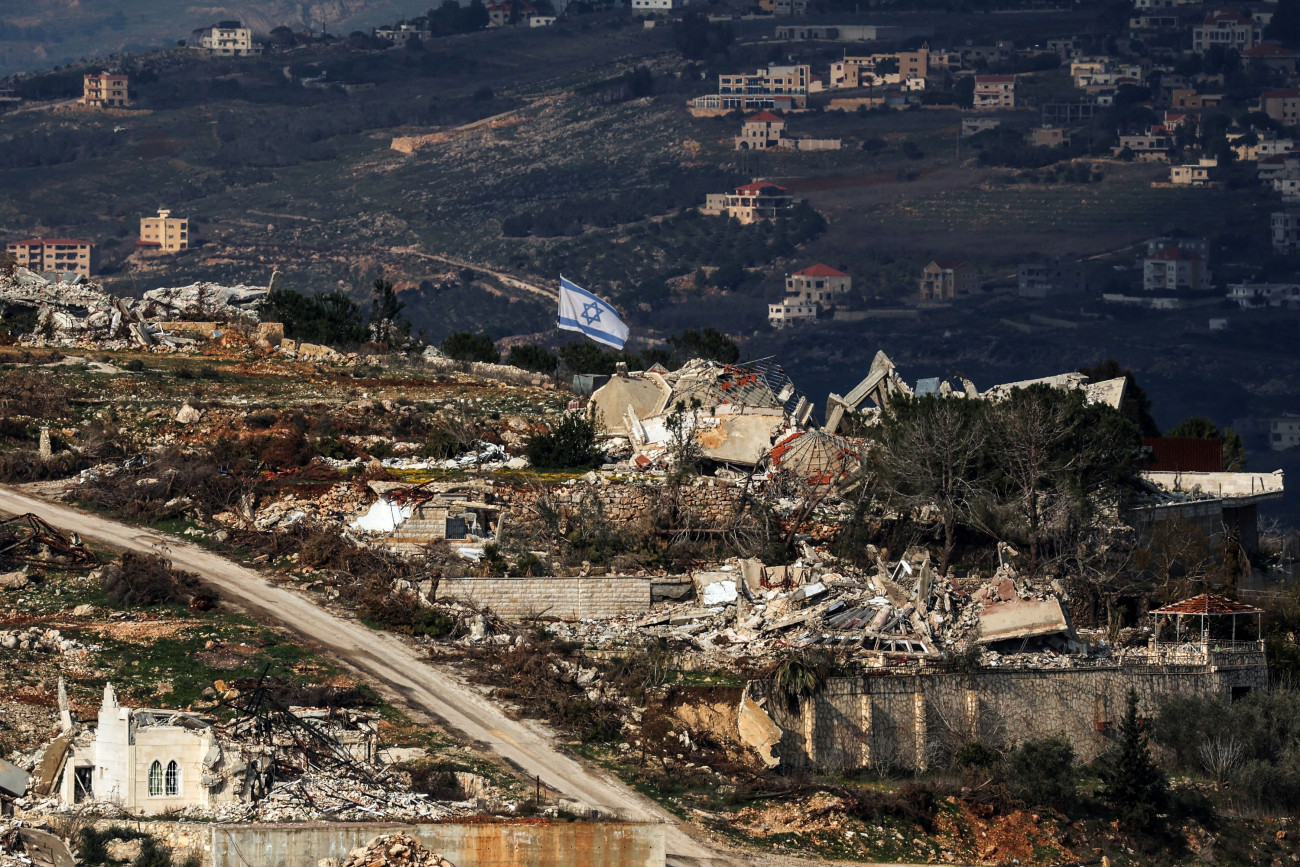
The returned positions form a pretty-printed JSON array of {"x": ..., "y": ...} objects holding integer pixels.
[{"x": 1134, "y": 786}]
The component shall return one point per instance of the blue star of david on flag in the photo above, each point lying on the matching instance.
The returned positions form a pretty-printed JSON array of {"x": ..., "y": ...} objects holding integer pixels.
[{"x": 583, "y": 312}]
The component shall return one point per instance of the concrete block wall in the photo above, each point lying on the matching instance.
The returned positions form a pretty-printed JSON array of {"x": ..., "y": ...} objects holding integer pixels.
[
  {"x": 577, "y": 598},
  {"x": 912, "y": 721}
]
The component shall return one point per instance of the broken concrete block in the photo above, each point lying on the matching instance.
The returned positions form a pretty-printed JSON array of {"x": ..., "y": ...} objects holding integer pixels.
[
  {"x": 14, "y": 580},
  {"x": 757, "y": 731},
  {"x": 718, "y": 593},
  {"x": 808, "y": 591},
  {"x": 188, "y": 415}
]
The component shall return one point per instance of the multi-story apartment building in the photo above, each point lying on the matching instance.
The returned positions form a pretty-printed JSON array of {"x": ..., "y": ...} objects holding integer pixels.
[
  {"x": 1286, "y": 231},
  {"x": 808, "y": 292},
  {"x": 105, "y": 90},
  {"x": 226, "y": 39},
  {"x": 1227, "y": 28},
  {"x": 944, "y": 280},
  {"x": 760, "y": 132},
  {"x": 777, "y": 87},
  {"x": 56, "y": 254},
  {"x": 1050, "y": 278},
  {"x": 750, "y": 202},
  {"x": 1282, "y": 106},
  {"x": 995, "y": 91},
  {"x": 165, "y": 232},
  {"x": 1175, "y": 268},
  {"x": 1284, "y": 433}
]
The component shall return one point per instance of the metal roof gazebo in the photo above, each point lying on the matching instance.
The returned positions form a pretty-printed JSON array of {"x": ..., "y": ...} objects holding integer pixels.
[{"x": 1205, "y": 606}]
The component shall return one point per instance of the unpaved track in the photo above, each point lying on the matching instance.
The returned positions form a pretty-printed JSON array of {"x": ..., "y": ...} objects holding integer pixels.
[{"x": 384, "y": 658}]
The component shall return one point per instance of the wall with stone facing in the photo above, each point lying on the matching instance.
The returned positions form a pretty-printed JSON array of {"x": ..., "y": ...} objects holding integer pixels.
[
  {"x": 710, "y": 503},
  {"x": 505, "y": 844},
  {"x": 914, "y": 721},
  {"x": 577, "y": 598}
]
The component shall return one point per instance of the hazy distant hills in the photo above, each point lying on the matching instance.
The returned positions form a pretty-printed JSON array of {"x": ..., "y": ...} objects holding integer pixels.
[{"x": 40, "y": 34}]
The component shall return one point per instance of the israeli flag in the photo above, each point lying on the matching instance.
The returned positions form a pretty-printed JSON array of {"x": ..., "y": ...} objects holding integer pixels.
[{"x": 582, "y": 311}]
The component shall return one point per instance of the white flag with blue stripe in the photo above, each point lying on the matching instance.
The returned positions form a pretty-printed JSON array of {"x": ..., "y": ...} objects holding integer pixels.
[{"x": 582, "y": 311}]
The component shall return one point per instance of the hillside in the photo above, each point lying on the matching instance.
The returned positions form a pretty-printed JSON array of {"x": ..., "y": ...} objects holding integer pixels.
[
  {"x": 48, "y": 33},
  {"x": 546, "y": 160}
]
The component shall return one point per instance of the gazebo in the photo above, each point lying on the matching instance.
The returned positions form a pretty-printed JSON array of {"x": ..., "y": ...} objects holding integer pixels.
[{"x": 1205, "y": 606}]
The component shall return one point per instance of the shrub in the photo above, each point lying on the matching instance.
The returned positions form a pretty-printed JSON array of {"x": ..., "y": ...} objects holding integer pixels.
[
  {"x": 149, "y": 579},
  {"x": 535, "y": 358},
  {"x": 1041, "y": 772},
  {"x": 571, "y": 444},
  {"x": 468, "y": 346}
]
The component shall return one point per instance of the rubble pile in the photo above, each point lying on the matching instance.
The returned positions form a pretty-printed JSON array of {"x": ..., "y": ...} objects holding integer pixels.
[
  {"x": 900, "y": 613},
  {"x": 39, "y": 641},
  {"x": 72, "y": 310},
  {"x": 391, "y": 850}
]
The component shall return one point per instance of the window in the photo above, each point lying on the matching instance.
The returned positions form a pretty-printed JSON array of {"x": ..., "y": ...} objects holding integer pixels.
[
  {"x": 173, "y": 779},
  {"x": 155, "y": 780}
]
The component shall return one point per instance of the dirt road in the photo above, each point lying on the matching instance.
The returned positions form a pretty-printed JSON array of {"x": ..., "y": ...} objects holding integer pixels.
[{"x": 393, "y": 667}]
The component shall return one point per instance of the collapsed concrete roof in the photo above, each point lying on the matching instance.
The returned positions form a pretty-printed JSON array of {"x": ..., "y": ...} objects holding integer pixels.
[
  {"x": 734, "y": 411},
  {"x": 883, "y": 382}
]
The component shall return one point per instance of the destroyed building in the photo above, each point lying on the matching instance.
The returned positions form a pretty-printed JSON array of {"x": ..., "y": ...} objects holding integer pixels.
[
  {"x": 732, "y": 412},
  {"x": 70, "y": 308},
  {"x": 883, "y": 382},
  {"x": 148, "y": 761}
]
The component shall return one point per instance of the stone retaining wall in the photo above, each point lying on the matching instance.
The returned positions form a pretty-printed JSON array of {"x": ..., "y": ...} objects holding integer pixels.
[
  {"x": 913, "y": 721},
  {"x": 709, "y": 503}
]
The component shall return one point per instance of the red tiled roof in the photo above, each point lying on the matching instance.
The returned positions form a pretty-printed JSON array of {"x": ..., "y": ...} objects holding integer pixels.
[
  {"x": 1208, "y": 603},
  {"x": 41, "y": 242},
  {"x": 948, "y": 264},
  {"x": 994, "y": 79},
  {"x": 1268, "y": 49},
  {"x": 1290, "y": 93},
  {"x": 820, "y": 270},
  {"x": 759, "y": 187},
  {"x": 763, "y": 116},
  {"x": 1223, "y": 13}
]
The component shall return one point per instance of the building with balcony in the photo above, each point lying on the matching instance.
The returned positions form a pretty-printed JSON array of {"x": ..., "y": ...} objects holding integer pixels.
[
  {"x": 1049, "y": 278},
  {"x": 995, "y": 91},
  {"x": 751, "y": 202},
  {"x": 1226, "y": 28},
  {"x": 56, "y": 254},
  {"x": 944, "y": 280},
  {"x": 105, "y": 90},
  {"x": 777, "y": 87},
  {"x": 226, "y": 39}
]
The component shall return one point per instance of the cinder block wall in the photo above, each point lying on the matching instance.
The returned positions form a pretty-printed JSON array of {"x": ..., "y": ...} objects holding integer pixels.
[
  {"x": 912, "y": 721},
  {"x": 578, "y": 598}
]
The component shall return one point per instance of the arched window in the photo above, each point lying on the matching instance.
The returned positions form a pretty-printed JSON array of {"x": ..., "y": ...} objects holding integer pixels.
[
  {"x": 155, "y": 779},
  {"x": 173, "y": 778}
]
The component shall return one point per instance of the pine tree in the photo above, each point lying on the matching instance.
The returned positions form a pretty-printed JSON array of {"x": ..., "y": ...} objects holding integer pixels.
[{"x": 1134, "y": 786}]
